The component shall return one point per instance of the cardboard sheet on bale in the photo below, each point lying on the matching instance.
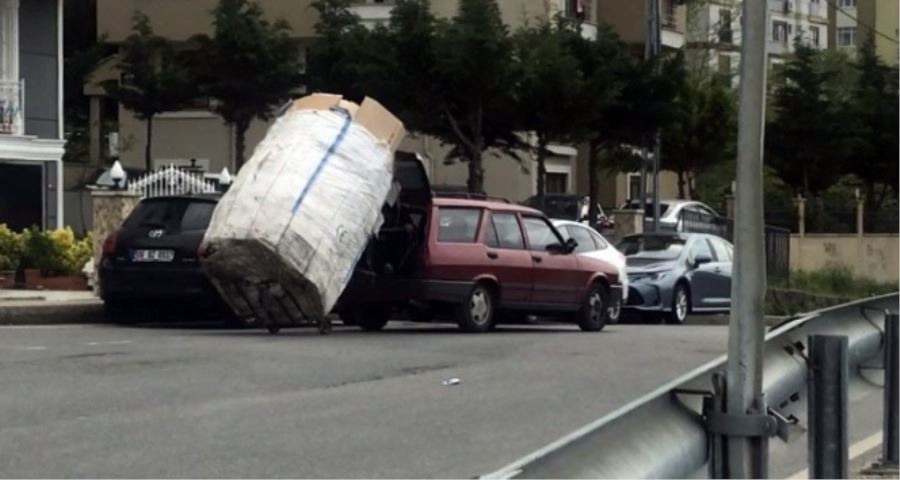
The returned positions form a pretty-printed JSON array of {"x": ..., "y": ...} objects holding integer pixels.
[{"x": 283, "y": 241}]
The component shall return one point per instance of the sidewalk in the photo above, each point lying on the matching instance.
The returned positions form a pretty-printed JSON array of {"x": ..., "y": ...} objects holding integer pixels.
[{"x": 48, "y": 307}]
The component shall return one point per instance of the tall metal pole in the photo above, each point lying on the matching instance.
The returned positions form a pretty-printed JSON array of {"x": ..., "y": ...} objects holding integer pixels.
[
  {"x": 746, "y": 456},
  {"x": 649, "y": 52},
  {"x": 656, "y": 36}
]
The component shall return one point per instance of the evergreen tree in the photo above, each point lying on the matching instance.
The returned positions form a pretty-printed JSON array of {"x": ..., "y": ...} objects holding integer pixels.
[
  {"x": 806, "y": 141},
  {"x": 702, "y": 133},
  {"x": 874, "y": 108}
]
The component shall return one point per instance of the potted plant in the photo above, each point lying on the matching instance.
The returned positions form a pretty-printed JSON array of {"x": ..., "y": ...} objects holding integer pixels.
[
  {"x": 55, "y": 259},
  {"x": 12, "y": 246}
]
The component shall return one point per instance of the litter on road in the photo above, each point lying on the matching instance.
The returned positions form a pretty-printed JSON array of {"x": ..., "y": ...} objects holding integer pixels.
[{"x": 451, "y": 381}]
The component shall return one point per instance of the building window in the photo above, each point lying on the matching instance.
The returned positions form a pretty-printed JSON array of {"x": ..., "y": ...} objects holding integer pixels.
[
  {"x": 557, "y": 183},
  {"x": 577, "y": 8},
  {"x": 848, "y": 3},
  {"x": 725, "y": 33},
  {"x": 846, "y": 36},
  {"x": 669, "y": 18},
  {"x": 634, "y": 187},
  {"x": 781, "y": 31},
  {"x": 814, "y": 34},
  {"x": 725, "y": 66}
]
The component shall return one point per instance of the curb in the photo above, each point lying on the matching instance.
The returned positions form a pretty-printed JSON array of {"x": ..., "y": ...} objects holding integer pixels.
[{"x": 56, "y": 313}]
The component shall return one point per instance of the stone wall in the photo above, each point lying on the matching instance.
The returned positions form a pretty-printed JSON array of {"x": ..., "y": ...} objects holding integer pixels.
[{"x": 110, "y": 208}]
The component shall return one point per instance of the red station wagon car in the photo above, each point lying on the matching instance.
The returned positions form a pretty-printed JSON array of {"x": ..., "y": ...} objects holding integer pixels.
[{"x": 475, "y": 261}]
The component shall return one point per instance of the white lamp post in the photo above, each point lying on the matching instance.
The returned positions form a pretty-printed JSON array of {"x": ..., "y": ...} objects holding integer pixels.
[
  {"x": 225, "y": 179},
  {"x": 117, "y": 174}
]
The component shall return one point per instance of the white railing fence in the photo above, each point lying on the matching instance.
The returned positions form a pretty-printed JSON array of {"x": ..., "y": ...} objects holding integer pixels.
[{"x": 170, "y": 181}]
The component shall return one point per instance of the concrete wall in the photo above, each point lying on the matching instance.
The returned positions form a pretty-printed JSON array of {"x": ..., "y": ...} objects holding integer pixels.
[
  {"x": 39, "y": 66},
  {"x": 183, "y": 135},
  {"x": 874, "y": 256}
]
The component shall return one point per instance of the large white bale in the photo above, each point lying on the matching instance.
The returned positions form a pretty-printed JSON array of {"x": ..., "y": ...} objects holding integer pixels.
[{"x": 284, "y": 239}]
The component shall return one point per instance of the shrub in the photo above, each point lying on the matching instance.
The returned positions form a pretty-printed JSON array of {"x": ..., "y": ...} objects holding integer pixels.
[
  {"x": 56, "y": 252},
  {"x": 12, "y": 246},
  {"x": 840, "y": 281}
]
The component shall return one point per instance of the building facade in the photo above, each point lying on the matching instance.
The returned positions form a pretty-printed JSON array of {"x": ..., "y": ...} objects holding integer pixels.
[
  {"x": 714, "y": 32},
  {"x": 200, "y": 136},
  {"x": 852, "y": 21},
  {"x": 31, "y": 117}
]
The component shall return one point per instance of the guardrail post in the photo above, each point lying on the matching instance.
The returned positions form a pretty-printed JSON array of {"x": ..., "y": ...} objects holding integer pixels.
[
  {"x": 890, "y": 446},
  {"x": 828, "y": 449}
]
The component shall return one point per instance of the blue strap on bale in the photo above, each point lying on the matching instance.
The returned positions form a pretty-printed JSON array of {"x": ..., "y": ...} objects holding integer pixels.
[{"x": 334, "y": 145}]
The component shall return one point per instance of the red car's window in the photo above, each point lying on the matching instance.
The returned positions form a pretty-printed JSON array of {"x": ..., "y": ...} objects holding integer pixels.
[
  {"x": 504, "y": 232},
  {"x": 458, "y": 225},
  {"x": 540, "y": 233}
]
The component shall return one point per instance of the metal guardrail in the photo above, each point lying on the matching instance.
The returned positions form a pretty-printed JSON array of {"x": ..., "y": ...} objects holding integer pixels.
[{"x": 662, "y": 434}]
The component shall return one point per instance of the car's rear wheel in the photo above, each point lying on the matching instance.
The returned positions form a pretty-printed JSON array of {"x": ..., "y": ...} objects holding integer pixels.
[
  {"x": 476, "y": 313},
  {"x": 115, "y": 311},
  {"x": 371, "y": 318},
  {"x": 681, "y": 305},
  {"x": 594, "y": 309}
]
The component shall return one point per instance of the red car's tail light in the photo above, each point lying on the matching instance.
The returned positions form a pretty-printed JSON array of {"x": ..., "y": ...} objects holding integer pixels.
[{"x": 109, "y": 245}]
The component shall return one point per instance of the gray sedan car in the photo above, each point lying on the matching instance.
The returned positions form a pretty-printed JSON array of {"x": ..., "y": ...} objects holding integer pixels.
[{"x": 674, "y": 274}]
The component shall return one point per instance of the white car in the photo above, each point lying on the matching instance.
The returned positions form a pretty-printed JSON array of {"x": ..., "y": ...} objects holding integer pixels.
[{"x": 592, "y": 244}]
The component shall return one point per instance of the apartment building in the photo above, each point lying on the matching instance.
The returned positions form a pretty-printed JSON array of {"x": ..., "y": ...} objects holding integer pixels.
[
  {"x": 714, "y": 32},
  {"x": 852, "y": 21},
  {"x": 31, "y": 117}
]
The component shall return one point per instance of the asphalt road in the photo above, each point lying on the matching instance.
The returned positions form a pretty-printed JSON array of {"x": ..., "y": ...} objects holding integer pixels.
[{"x": 161, "y": 401}]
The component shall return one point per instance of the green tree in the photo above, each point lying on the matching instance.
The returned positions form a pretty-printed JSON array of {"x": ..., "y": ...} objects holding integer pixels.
[
  {"x": 806, "y": 141},
  {"x": 874, "y": 108},
  {"x": 604, "y": 63},
  {"x": 702, "y": 132},
  {"x": 475, "y": 75},
  {"x": 549, "y": 91},
  {"x": 154, "y": 78},
  {"x": 250, "y": 66},
  {"x": 339, "y": 38}
]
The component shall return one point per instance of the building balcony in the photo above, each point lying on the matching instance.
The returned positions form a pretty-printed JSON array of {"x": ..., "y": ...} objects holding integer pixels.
[
  {"x": 12, "y": 106},
  {"x": 372, "y": 14}
]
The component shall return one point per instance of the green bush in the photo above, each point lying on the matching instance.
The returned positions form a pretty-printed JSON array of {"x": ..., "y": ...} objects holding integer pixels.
[
  {"x": 839, "y": 281},
  {"x": 56, "y": 252},
  {"x": 12, "y": 246}
]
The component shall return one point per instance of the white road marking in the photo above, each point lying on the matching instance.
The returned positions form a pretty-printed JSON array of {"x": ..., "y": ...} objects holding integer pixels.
[
  {"x": 111, "y": 342},
  {"x": 856, "y": 450}
]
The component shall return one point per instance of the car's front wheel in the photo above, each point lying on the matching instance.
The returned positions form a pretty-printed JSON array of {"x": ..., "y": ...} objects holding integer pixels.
[
  {"x": 594, "y": 309},
  {"x": 615, "y": 310},
  {"x": 476, "y": 313},
  {"x": 681, "y": 305}
]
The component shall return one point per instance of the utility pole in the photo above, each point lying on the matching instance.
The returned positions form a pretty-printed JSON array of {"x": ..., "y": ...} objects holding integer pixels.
[
  {"x": 746, "y": 456},
  {"x": 652, "y": 47}
]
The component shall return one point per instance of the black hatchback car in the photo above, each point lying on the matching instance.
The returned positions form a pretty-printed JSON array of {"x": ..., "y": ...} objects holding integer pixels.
[{"x": 150, "y": 264}]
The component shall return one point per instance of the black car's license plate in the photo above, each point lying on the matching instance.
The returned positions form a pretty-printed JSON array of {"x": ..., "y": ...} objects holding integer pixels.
[{"x": 152, "y": 255}]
